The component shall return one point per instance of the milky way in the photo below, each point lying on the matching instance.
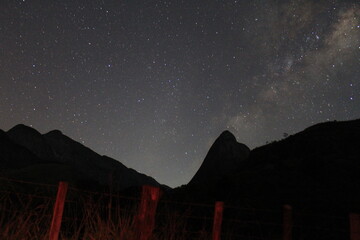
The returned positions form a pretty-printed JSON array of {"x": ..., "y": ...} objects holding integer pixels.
[{"x": 153, "y": 83}]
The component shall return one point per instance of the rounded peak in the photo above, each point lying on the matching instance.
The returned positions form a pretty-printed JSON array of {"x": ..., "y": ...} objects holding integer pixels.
[
  {"x": 22, "y": 128},
  {"x": 54, "y": 133},
  {"x": 227, "y": 136}
]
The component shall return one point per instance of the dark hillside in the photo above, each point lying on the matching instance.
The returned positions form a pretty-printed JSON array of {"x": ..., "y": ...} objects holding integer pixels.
[
  {"x": 316, "y": 171},
  {"x": 318, "y": 167},
  {"x": 48, "y": 158}
]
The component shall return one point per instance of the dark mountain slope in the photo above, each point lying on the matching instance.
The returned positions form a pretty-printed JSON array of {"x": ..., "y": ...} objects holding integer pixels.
[
  {"x": 325, "y": 157},
  {"x": 30, "y": 139},
  {"x": 101, "y": 168},
  {"x": 14, "y": 155},
  {"x": 27, "y": 154},
  {"x": 316, "y": 171},
  {"x": 224, "y": 155},
  {"x": 316, "y": 168}
]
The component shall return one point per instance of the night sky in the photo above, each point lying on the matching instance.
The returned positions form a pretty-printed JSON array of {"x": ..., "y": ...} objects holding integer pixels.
[{"x": 154, "y": 83}]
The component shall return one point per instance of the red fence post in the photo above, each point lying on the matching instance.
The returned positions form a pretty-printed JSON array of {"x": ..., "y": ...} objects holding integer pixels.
[
  {"x": 354, "y": 226},
  {"x": 218, "y": 215},
  {"x": 145, "y": 219},
  {"x": 287, "y": 222},
  {"x": 58, "y": 211}
]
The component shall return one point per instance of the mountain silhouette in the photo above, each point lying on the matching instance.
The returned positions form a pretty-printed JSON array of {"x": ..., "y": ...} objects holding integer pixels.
[
  {"x": 318, "y": 168},
  {"x": 52, "y": 157},
  {"x": 224, "y": 155},
  {"x": 316, "y": 172},
  {"x": 14, "y": 155},
  {"x": 32, "y": 140}
]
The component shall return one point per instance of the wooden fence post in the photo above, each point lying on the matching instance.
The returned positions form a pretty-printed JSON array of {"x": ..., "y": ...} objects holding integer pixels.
[
  {"x": 287, "y": 222},
  {"x": 354, "y": 226},
  {"x": 145, "y": 219},
  {"x": 218, "y": 215},
  {"x": 58, "y": 211}
]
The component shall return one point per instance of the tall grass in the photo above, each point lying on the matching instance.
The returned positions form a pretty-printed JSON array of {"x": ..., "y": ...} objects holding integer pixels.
[
  {"x": 24, "y": 217},
  {"x": 21, "y": 220},
  {"x": 25, "y": 214}
]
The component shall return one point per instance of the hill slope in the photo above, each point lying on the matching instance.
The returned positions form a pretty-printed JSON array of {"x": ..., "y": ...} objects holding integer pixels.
[
  {"x": 51, "y": 157},
  {"x": 316, "y": 168}
]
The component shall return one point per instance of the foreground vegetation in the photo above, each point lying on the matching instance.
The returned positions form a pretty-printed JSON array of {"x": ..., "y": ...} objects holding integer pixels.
[
  {"x": 26, "y": 213},
  {"x": 28, "y": 216}
]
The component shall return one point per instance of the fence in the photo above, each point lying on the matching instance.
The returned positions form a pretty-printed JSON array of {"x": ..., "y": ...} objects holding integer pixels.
[{"x": 52, "y": 212}]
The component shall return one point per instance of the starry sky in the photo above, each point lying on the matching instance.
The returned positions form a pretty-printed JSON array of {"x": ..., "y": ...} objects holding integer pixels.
[{"x": 154, "y": 83}]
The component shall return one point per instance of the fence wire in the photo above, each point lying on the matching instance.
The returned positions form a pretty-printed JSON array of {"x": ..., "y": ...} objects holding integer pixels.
[{"x": 26, "y": 211}]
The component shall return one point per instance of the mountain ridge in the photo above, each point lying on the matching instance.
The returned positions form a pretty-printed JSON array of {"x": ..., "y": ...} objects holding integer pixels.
[
  {"x": 53, "y": 151},
  {"x": 305, "y": 169}
]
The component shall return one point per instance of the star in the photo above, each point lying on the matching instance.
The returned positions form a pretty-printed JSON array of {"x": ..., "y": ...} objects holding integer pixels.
[{"x": 153, "y": 84}]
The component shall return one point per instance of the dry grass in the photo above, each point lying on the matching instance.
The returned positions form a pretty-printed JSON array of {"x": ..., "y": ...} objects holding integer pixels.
[
  {"x": 19, "y": 220},
  {"x": 23, "y": 217},
  {"x": 27, "y": 216}
]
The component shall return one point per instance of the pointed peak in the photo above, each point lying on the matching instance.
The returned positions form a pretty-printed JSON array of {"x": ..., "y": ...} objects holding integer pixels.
[{"x": 224, "y": 156}]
